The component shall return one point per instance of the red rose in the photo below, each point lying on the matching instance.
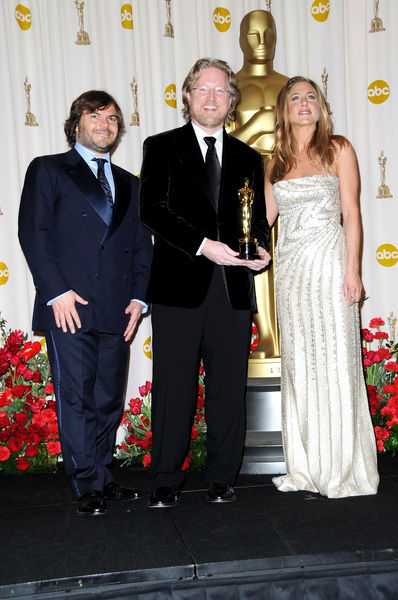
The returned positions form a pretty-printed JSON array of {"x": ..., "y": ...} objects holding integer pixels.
[
  {"x": 4, "y": 420},
  {"x": 4, "y": 436},
  {"x": 254, "y": 328},
  {"x": 381, "y": 335},
  {"x": 5, "y": 398},
  {"x": 54, "y": 447},
  {"x": 201, "y": 369},
  {"x": 23, "y": 463},
  {"x": 146, "y": 461},
  {"x": 36, "y": 377},
  {"x": 14, "y": 445},
  {"x": 367, "y": 335},
  {"x": 367, "y": 362},
  {"x": 380, "y": 445},
  {"x": 254, "y": 345},
  {"x": 194, "y": 433},
  {"x": 387, "y": 411},
  {"x": 48, "y": 415},
  {"x": 18, "y": 390},
  {"x": 186, "y": 462},
  {"x": 20, "y": 418},
  {"x": 148, "y": 386},
  {"x": 381, "y": 433},
  {"x": 135, "y": 406},
  {"x": 31, "y": 450},
  {"x": 142, "y": 390},
  {"x": 392, "y": 422},
  {"x": 376, "y": 322},
  {"x": 384, "y": 352},
  {"x": 200, "y": 390},
  {"x": 391, "y": 366},
  {"x": 4, "y": 453},
  {"x": 200, "y": 404},
  {"x": 49, "y": 389}
]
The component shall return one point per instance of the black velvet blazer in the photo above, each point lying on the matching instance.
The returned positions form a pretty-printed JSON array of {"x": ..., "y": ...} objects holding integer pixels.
[{"x": 175, "y": 203}]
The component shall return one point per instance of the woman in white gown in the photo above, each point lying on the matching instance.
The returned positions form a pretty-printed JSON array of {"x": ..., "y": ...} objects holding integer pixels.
[{"x": 313, "y": 184}]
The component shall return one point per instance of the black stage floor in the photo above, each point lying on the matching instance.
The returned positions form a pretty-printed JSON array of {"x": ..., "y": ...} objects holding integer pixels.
[{"x": 265, "y": 545}]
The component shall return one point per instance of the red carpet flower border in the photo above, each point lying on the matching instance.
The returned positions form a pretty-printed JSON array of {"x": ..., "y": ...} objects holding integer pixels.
[
  {"x": 381, "y": 373},
  {"x": 28, "y": 422}
]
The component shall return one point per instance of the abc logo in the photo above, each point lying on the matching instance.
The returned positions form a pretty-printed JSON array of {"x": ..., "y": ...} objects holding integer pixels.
[
  {"x": 387, "y": 255},
  {"x": 126, "y": 16},
  {"x": 378, "y": 91},
  {"x": 320, "y": 10},
  {"x": 170, "y": 95},
  {"x": 222, "y": 18},
  {"x": 147, "y": 347},
  {"x": 3, "y": 273},
  {"x": 23, "y": 17}
]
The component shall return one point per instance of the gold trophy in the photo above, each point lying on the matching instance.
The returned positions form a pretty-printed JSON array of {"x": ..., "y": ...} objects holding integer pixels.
[
  {"x": 254, "y": 124},
  {"x": 247, "y": 244},
  {"x": 168, "y": 28},
  {"x": 376, "y": 23},
  {"x": 30, "y": 118},
  {"x": 82, "y": 36},
  {"x": 325, "y": 77},
  {"x": 384, "y": 190},
  {"x": 135, "y": 117}
]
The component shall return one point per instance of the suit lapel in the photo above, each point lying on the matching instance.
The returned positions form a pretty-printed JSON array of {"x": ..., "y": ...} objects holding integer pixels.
[
  {"x": 84, "y": 178},
  {"x": 189, "y": 153}
]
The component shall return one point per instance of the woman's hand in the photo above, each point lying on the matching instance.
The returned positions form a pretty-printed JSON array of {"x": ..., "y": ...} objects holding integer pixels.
[{"x": 352, "y": 287}]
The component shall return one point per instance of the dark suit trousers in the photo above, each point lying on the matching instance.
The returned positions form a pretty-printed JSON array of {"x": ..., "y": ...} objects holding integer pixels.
[
  {"x": 89, "y": 372},
  {"x": 221, "y": 336}
]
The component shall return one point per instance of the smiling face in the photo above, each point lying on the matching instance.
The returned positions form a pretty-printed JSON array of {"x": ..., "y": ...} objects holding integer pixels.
[
  {"x": 303, "y": 104},
  {"x": 98, "y": 130},
  {"x": 209, "y": 99}
]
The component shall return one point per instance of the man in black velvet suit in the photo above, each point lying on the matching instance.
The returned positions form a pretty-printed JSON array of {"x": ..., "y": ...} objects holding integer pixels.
[
  {"x": 202, "y": 294},
  {"x": 90, "y": 256}
]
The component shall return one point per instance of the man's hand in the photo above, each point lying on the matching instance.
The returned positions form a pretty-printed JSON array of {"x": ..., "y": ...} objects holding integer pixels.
[
  {"x": 134, "y": 309},
  {"x": 259, "y": 263},
  {"x": 221, "y": 254},
  {"x": 65, "y": 312}
]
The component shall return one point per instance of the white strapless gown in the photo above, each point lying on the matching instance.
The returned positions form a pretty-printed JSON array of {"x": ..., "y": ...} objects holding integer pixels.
[{"x": 328, "y": 436}]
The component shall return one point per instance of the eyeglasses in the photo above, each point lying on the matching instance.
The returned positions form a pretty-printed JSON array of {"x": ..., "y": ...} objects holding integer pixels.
[{"x": 205, "y": 91}]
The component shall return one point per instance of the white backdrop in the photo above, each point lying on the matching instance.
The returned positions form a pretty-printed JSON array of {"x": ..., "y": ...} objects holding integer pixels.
[{"x": 38, "y": 42}]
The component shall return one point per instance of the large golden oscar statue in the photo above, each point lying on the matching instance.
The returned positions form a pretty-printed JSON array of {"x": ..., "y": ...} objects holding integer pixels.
[{"x": 255, "y": 124}]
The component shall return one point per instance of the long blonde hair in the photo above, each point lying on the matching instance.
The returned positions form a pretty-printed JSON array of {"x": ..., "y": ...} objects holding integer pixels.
[{"x": 323, "y": 144}]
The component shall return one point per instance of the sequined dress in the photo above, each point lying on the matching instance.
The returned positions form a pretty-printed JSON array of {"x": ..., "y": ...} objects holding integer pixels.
[{"x": 328, "y": 437}]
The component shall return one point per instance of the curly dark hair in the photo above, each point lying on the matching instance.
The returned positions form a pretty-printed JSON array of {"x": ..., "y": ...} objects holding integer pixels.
[{"x": 91, "y": 101}]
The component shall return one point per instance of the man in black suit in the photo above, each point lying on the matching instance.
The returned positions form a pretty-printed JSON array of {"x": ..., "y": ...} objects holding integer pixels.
[
  {"x": 202, "y": 294},
  {"x": 90, "y": 256}
]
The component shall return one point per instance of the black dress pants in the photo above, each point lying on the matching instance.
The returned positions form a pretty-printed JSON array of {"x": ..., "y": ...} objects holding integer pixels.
[
  {"x": 221, "y": 336},
  {"x": 89, "y": 373}
]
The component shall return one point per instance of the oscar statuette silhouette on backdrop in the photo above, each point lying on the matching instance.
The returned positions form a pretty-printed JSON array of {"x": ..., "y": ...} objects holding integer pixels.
[{"x": 255, "y": 125}]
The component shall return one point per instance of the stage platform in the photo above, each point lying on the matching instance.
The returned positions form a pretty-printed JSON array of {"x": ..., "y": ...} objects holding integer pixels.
[{"x": 265, "y": 545}]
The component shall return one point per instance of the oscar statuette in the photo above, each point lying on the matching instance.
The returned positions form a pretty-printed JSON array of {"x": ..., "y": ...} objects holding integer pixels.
[{"x": 247, "y": 244}]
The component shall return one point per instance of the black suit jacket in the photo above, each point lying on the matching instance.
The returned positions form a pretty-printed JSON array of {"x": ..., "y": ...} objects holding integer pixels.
[
  {"x": 68, "y": 246},
  {"x": 175, "y": 203}
]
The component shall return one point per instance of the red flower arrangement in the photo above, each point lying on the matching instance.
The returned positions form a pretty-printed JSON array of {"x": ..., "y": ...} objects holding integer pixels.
[
  {"x": 381, "y": 372},
  {"x": 28, "y": 422},
  {"x": 137, "y": 445},
  {"x": 254, "y": 338}
]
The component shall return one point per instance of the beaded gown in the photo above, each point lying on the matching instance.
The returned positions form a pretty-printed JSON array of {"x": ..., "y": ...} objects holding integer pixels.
[{"x": 328, "y": 437}]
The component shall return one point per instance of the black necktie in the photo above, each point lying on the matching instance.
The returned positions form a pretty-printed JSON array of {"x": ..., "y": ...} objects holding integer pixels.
[
  {"x": 213, "y": 169},
  {"x": 107, "y": 208}
]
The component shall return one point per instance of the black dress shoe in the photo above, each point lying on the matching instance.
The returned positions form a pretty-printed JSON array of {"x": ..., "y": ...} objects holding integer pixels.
[
  {"x": 91, "y": 504},
  {"x": 220, "y": 492},
  {"x": 114, "y": 491},
  {"x": 164, "y": 497}
]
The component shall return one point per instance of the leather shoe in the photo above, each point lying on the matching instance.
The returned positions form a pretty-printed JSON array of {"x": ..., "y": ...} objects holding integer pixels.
[
  {"x": 220, "y": 492},
  {"x": 91, "y": 504},
  {"x": 164, "y": 497},
  {"x": 114, "y": 491}
]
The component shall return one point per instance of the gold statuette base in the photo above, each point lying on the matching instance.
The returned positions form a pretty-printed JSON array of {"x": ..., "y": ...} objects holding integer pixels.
[
  {"x": 248, "y": 249},
  {"x": 264, "y": 367},
  {"x": 83, "y": 38},
  {"x": 384, "y": 192}
]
